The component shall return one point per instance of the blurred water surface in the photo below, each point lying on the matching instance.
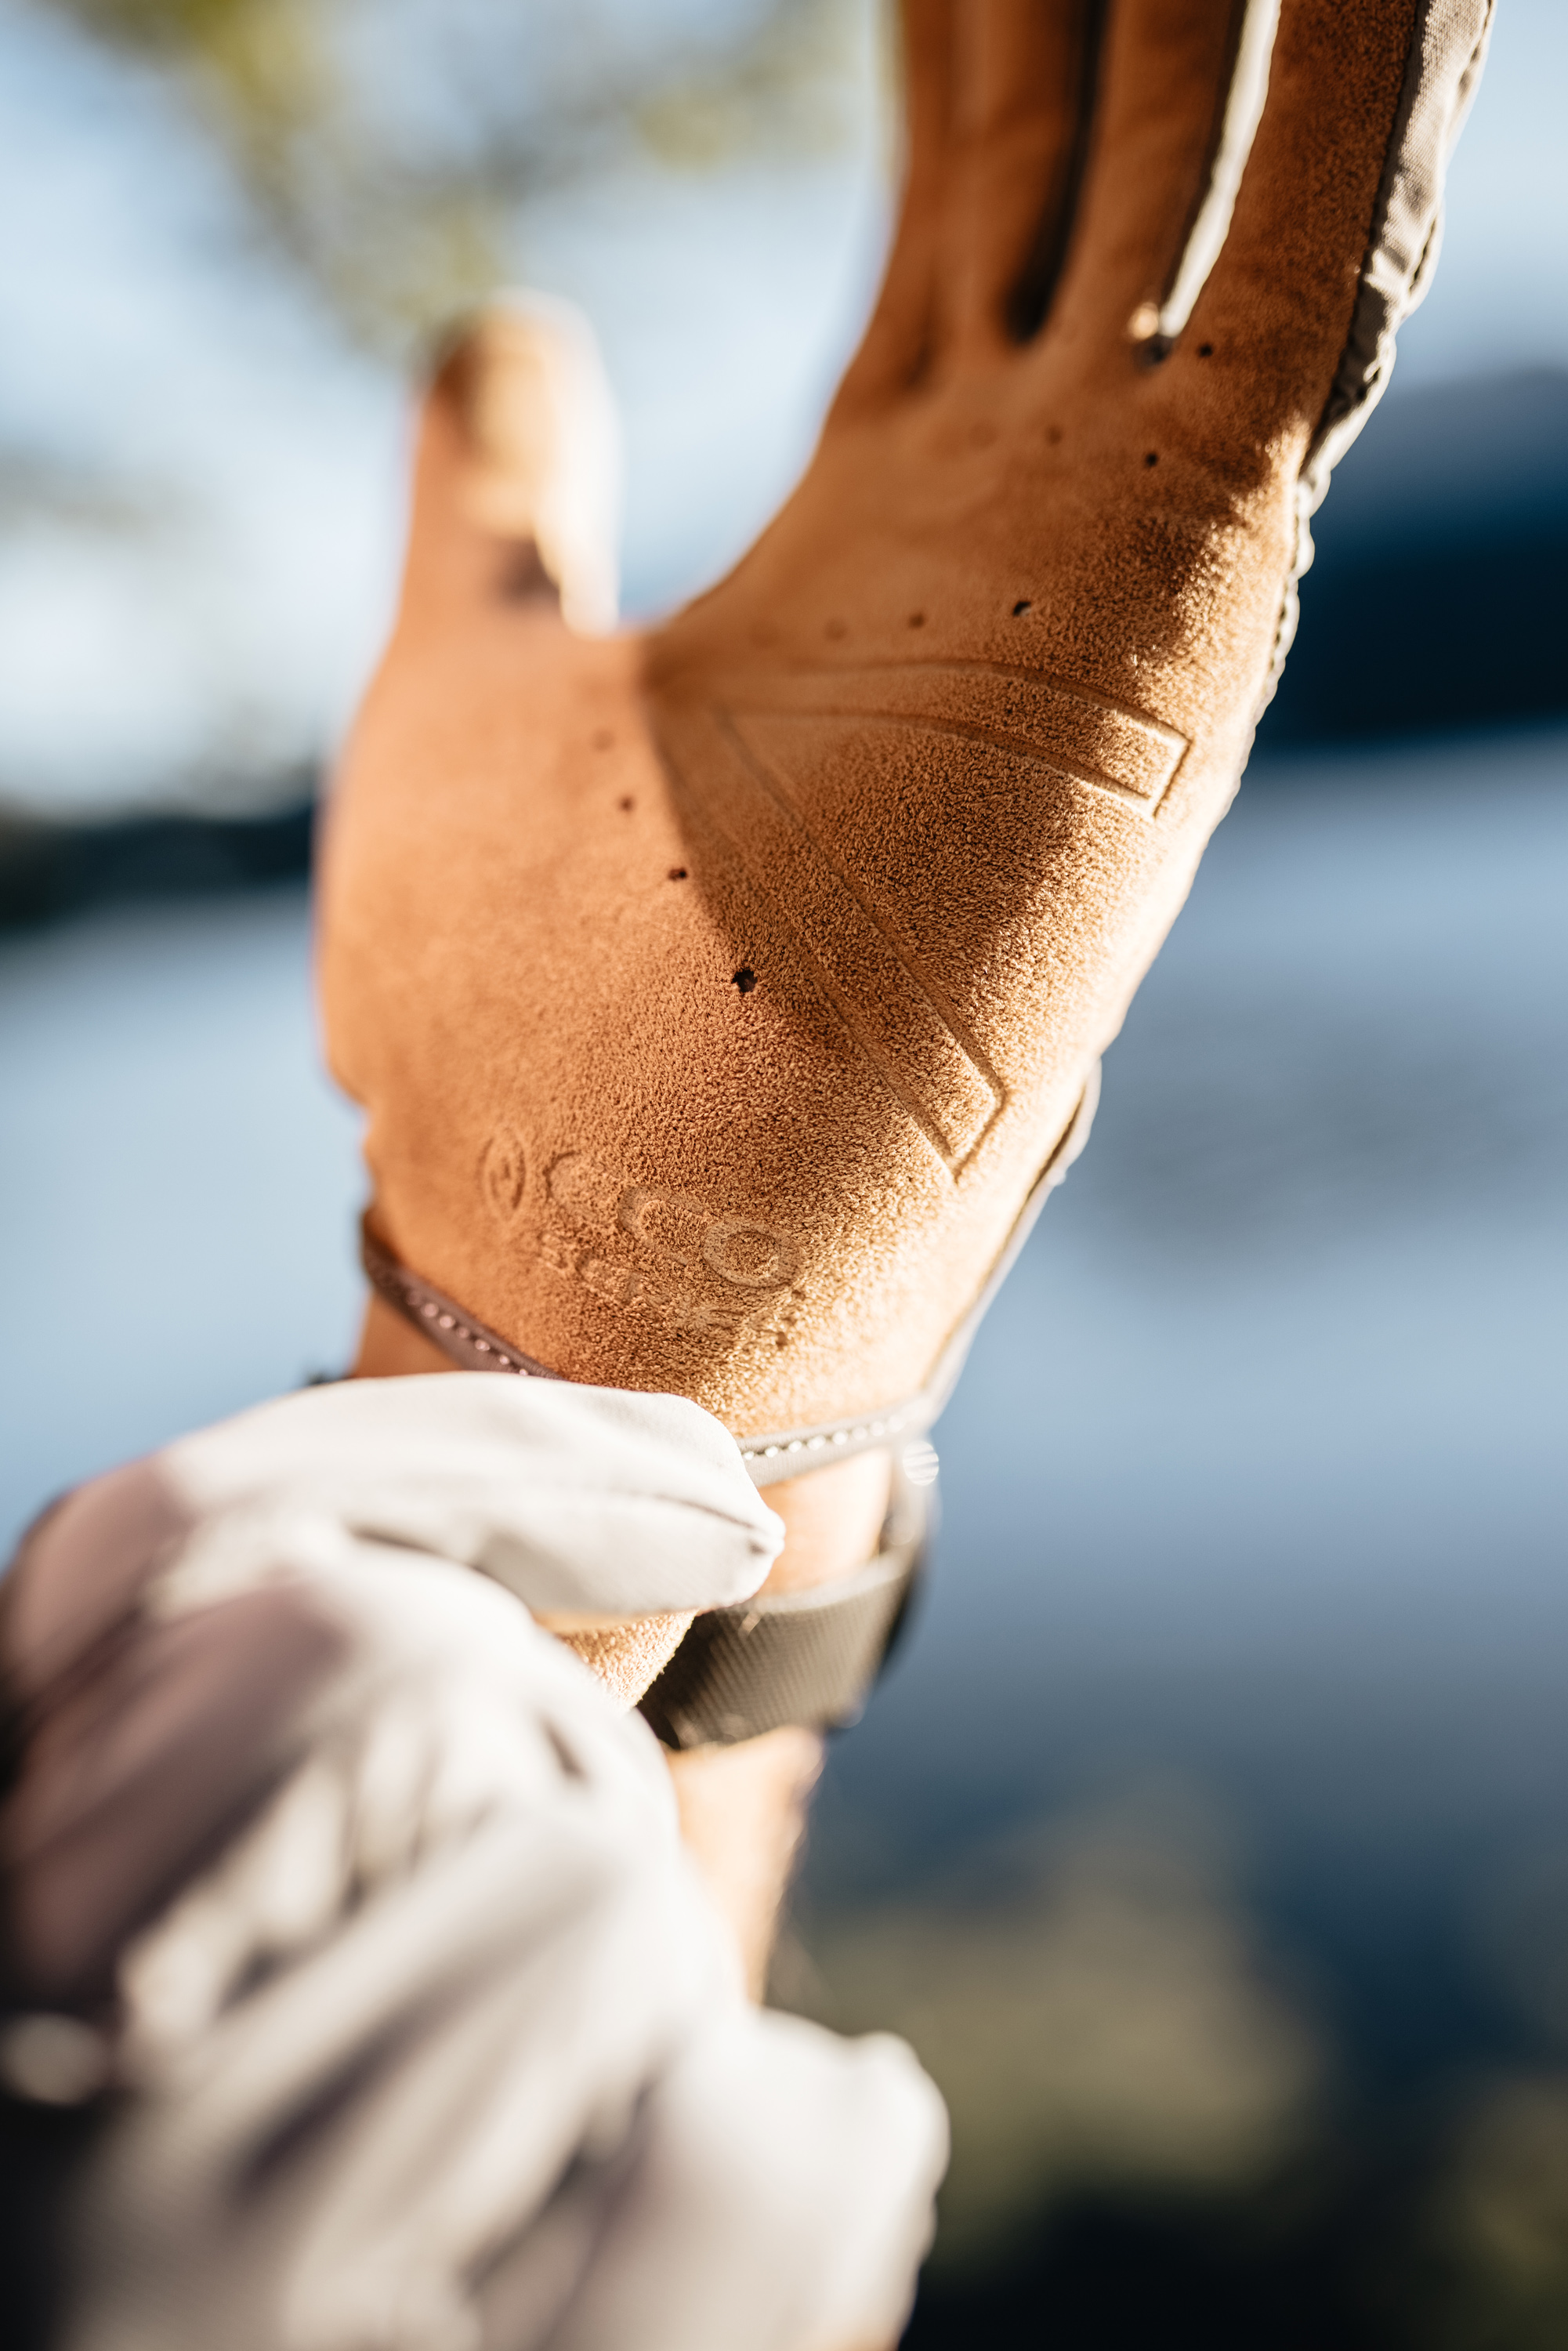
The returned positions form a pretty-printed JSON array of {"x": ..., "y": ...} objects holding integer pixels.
[{"x": 177, "y": 1183}]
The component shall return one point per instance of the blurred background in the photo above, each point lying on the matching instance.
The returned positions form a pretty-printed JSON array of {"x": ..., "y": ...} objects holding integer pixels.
[{"x": 1209, "y": 1837}]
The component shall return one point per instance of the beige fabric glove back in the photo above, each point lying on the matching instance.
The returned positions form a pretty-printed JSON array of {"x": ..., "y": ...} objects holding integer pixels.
[{"x": 719, "y": 996}]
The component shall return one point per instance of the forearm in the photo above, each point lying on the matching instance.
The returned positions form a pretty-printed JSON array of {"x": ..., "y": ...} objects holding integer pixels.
[{"x": 743, "y": 1808}]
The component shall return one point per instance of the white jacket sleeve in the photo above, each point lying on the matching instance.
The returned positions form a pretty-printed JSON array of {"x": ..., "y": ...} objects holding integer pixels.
[{"x": 418, "y": 2033}]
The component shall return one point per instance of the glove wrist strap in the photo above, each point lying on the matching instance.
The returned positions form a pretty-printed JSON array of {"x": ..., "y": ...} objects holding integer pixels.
[{"x": 808, "y": 1658}]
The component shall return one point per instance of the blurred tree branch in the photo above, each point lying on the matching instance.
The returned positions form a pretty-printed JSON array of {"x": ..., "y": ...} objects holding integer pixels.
[{"x": 387, "y": 151}]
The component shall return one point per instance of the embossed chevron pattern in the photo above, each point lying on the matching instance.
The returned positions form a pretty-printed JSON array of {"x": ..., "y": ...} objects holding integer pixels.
[
  {"x": 735, "y": 760},
  {"x": 1068, "y": 730},
  {"x": 900, "y": 1021}
]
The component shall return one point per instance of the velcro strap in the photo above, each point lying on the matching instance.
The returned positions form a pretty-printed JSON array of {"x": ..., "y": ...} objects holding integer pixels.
[{"x": 806, "y": 1658}]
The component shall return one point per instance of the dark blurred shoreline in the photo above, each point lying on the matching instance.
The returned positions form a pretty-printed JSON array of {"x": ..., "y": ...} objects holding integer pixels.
[{"x": 49, "y": 871}]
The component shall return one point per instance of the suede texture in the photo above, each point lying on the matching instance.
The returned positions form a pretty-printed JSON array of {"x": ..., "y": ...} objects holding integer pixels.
[{"x": 717, "y": 995}]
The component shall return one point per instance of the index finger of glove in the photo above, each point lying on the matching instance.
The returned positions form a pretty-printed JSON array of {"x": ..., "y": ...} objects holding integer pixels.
[{"x": 995, "y": 113}]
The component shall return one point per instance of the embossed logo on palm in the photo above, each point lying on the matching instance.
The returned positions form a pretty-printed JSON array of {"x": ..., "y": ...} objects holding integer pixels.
[{"x": 679, "y": 1244}]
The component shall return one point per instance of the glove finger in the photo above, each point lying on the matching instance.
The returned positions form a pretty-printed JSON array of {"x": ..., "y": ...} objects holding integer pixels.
[
  {"x": 544, "y": 449},
  {"x": 518, "y": 474},
  {"x": 1336, "y": 216},
  {"x": 1180, "y": 84},
  {"x": 896, "y": 347},
  {"x": 1021, "y": 90},
  {"x": 457, "y": 555},
  {"x": 995, "y": 122},
  {"x": 1239, "y": 191}
]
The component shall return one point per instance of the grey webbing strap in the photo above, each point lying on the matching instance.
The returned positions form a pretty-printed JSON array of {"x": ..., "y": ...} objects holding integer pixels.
[{"x": 804, "y": 1658}]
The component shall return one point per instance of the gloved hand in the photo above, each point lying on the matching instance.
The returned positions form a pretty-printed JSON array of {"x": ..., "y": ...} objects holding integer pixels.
[
  {"x": 368, "y": 1906},
  {"x": 719, "y": 996}
]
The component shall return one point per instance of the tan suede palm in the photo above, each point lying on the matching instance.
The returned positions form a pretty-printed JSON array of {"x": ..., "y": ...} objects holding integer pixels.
[{"x": 718, "y": 996}]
